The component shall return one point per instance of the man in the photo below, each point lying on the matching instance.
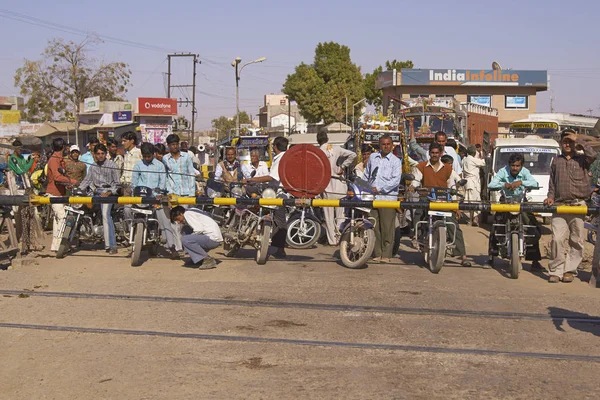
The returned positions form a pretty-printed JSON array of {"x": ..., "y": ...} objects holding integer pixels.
[
  {"x": 190, "y": 152},
  {"x": 132, "y": 156},
  {"x": 454, "y": 178},
  {"x": 206, "y": 235},
  {"x": 17, "y": 162},
  {"x": 339, "y": 159},
  {"x": 365, "y": 153},
  {"x": 114, "y": 156},
  {"x": 514, "y": 178},
  {"x": 256, "y": 168},
  {"x": 480, "y": 154},
  {"x": 88, "y": 157},
  {"x": 280, "y": 145},
  {"x": 57, "y": 187},
  {"x": 569, "y": 185},
  {"x": 76, "y": 170},
  {"x": 383, "y": 174},
  {"x": 103, "y": 175},
  {"x": 434, "y": 173},
  {"x": 151, "y": 173},
  {"x": 472, "y": 167},
  {"x": 229, "y": 170},
  {"x": 442, "y": 139}
]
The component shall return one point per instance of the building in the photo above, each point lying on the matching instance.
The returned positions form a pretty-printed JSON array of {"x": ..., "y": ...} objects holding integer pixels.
[
  {"x": 278, "y": 112},
  {"x": 10, "y": 115},
  {"x": 512, "y": 92},
  {"x": 110, "y": 119}
]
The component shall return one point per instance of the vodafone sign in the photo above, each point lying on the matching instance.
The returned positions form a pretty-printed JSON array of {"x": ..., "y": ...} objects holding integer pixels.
[{"x": 156, "y": 106}]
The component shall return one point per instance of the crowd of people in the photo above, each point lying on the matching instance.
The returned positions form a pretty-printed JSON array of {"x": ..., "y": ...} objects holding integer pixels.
[{"x": 173, "y": 169}]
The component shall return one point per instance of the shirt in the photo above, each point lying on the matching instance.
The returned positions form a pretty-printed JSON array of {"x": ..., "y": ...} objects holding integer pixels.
[
  {"x": 569, "y": 179},
  {"x": 228, "y": 172},
  {"x": 56, "y": 161},
  {"x": 117, "y": 159},
  {"x": 100, "y": 176},
  {"x": 87, "y": 159},
  {"x": 180, "y": 175},
  {"x": 428, "y": 175},
  {"x": 150, "y": 175},
  {"x": 455, "y": 158},
  {"x": 471, "y": 169},
  {"x": 387, "y": 178},
  {"x": 504, "y": 176},
  {"x": 75, "y": 169},
  {"x": 202, "y": 224},
  {"x": 261, "y": 170},
  {"x": 131, "y": 158},
  {"x": 274, "y": 172}
]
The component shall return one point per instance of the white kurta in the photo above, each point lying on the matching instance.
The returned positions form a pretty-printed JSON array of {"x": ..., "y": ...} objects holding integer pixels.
[{"x": 471, "y": 168}]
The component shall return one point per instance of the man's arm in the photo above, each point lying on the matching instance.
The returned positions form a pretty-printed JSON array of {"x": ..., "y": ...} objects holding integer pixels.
[
  {"x": 190, "y": 180},
  {"x": 529, "y": 180},
  {"x": 478, "y": 161},
  {"x": 162, "y": 177},
  {"x": 246, "y": 171},
  {"x": 58, "y": 177},
  {"x": 498, "y": 180},
  {"x": 350, "y": 157},
  {"x": 135, "y": 175},
  {"x": 418, "y": 178},
  {"x": 417, "y": 149},
  {"x": 589, "y": 152},
  {"x": 551, "y": 188},
  {"x": 87, "y": 181},
  {"x": 218, "y": 172}
]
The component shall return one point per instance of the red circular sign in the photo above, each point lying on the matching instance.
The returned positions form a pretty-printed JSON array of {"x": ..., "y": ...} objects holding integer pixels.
[{"x": 304, "y": 171}]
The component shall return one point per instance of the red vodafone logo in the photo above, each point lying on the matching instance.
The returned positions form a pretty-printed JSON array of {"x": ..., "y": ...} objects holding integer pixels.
[{"x": 157, "y": 106}]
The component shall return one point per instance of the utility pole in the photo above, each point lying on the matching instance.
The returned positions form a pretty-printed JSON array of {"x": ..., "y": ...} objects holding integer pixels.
[
  {"x": 289, "y": 117},
  {"x": 193, "y": 86},
  {"x": 238, "y": 70}
]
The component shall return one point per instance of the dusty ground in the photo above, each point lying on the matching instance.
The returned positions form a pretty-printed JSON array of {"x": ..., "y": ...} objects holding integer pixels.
[{"x": 249, "y": 331}]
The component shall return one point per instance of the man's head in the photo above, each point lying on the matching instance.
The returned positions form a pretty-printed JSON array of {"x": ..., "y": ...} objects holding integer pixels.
[
  {"x": 366, "y": 151},
  {"x": 567, "y": 141},
  {"x": 194, "y": 149},
  {"x": 58, "y": 144},
  {"x": 111, "y": 145},
  {"x": 435, "y": 152},
  {"x": 385, "y": 145},
  {"x": 447, "y": 160},
  {"x": 17, "y": 147},
  {"x": 92, "y": 143},
  {"x": 441, "y": 138},
  {"x": 177, "y": 215},
  {"x": 159, "y": 151},
  {"x": 515, "y": 163},
  {"x": 100, "y": 153},
  {"x": 129, "y": 140},
  {"x": 230, "y": 155},
  {"x": 147, "y": 150},
  {"x": 478, "y": 147},
  {"x": 74, "y": 153},
  {"x": 183, "y": 146},
  {"x": 322, "y": 138},
  {"x": 173, "y": 143},
  {"x": 280, "y": 144},
  {"x": 254, "y": 157},
  {"x": 472, "y": 150}
]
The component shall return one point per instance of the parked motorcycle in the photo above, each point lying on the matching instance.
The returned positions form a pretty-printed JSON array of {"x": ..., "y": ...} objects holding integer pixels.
[
  {"x": 304, "y": 227},
  {"x": 144, "y": 227},
  {"x": 511, "y": 234}
]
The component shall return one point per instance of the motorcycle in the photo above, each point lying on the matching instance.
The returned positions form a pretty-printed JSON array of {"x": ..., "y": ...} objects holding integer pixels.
[
  {"x": 510, "y": 228},
  {"x": 144, "y": 227},
  {"x": 304, "y": 227},
  {"x": 432, "y": 233}
]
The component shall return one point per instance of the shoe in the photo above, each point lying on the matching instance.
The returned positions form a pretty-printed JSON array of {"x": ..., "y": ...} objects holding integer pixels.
[
  {"x": 174, "y": 254},
  {"x": 385, "y": 260},
  {"x": 553, "y": 279},
  {"x": 112, "y": 251},
  {"x": 536, "y": 266},
  {"x": 568, "y": 277},
  {"x": 207, "y": 263},
  {"x": 280, "y": 254},
  {"x": 376, "y": 259}
]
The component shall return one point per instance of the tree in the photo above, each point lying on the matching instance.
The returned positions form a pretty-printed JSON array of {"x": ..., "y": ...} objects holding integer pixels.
[
  {"x": 224, "y": 125},
  {"x": 66, "y": 74},
  {"x": 321, "y": 89},
  {"x": 374, "y": 95}
]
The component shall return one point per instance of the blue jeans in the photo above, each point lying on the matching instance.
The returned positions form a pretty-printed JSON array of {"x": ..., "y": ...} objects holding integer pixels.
[
  {"x": 110, "y": 241},
  {"x": 197, "y": 246}
]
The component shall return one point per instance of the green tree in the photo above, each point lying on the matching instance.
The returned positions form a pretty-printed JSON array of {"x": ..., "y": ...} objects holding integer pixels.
[
  {"x": 226, "y": 125},
  {"x": 321, "y": 89},
  {"x": 374, "y": 95},
  {"x": 66, "y": 74}
]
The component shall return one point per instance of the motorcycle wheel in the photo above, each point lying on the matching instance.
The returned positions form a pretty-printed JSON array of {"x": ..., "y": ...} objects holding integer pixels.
[
  {"x": 437, "y": 254},
  {"x": 235, "y": 247},
  {"x": 515, "y": 259},
  {"x": 262, "y": 253},
  {"x": 298, "y": 238},
  {"x": 355, "y": 255},
  {"x": 138, "y": 237},
  {"x": 65, "y": 244}
]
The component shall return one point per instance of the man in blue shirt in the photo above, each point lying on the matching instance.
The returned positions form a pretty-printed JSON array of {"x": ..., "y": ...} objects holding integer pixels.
[
  {"x": 383, "y": 173},
  {"x": 88, "y": 157},
  {"x": 513, "y": 179}
]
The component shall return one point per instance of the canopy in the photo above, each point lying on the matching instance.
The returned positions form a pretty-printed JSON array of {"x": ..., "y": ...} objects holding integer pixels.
[{"x": 49, "y": 128}]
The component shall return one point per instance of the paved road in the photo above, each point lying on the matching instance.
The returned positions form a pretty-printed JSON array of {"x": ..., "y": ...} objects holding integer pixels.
[{"x": 91, "y": 326}]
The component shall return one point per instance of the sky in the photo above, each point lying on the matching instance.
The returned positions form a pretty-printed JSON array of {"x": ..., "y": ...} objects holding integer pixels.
[{"x": 552, "y": 35}]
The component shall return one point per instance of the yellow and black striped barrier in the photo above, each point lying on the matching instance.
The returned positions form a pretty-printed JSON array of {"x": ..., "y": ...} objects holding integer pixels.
[{"x": 423, "y": 205}]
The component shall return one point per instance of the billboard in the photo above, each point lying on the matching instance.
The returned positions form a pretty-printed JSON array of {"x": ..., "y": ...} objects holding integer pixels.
[
  {"x": 516, "y": 102},
  {"x": 122, "y": 116},
  {"x": 10, "y": 122},
  {"x": 470, "y": 77},
  {"x": 91, "y": 104},
  {"x": 156, "y": 106},
  {"x": 482, "y": 100}
]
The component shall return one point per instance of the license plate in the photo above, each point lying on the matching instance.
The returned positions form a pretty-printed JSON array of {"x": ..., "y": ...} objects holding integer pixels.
[{"x": 440, "y": 213}]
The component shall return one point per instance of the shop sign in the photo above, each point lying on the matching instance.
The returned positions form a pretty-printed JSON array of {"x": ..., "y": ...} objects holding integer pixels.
[
  {"x": 122, "y": 116},
  {"x": 157, "y": 106}
]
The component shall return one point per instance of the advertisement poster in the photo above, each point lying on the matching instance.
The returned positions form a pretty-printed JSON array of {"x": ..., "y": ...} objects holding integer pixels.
[{"x": 155, "y": 133}]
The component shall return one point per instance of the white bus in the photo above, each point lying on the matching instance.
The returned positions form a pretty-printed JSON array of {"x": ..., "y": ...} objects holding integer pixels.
[{"x": 549, "y": 125}]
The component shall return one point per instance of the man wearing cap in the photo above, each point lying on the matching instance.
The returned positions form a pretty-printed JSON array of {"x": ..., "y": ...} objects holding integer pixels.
[
  {"x": 76, "y": 170},
  {"x": 569, "y": 185},
  {"x": 88, "y": 157}
]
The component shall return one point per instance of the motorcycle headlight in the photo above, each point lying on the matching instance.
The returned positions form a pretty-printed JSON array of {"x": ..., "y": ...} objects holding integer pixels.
[
  {"x": 367, "y": 197},
  {"x": 269, "y": 193},
  {"x": 514, "y": 213},
  {"x": 77, "y": 206},
  {"x": 237, "y": 192},
  {"x": 212, "y": 193}
]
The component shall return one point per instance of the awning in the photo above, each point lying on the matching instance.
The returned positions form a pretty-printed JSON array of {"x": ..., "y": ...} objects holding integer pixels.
[
  {"x": 49, "y": 128},
  {"x": 113, "y": 126}
]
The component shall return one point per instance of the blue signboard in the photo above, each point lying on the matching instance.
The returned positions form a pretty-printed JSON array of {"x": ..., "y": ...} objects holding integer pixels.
[
  {"x": 472, "y": 77},
  {"x": 122, "y": 116}
]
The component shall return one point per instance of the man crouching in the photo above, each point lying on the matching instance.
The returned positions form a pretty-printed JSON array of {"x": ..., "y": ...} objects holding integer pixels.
[{"x": 200, "y": 234}]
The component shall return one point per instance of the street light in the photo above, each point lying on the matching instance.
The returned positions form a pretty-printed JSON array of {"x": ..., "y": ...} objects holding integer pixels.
[
  {"x": 235, "y": 63},
  {"x": 354, "y": 105}
]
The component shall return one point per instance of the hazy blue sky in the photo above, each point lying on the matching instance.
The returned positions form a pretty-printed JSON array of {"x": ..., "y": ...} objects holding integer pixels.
[{"x": 555, "y": 35}]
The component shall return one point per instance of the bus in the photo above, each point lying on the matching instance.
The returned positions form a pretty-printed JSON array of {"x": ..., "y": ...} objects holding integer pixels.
[{"x": 550, "y": 125}]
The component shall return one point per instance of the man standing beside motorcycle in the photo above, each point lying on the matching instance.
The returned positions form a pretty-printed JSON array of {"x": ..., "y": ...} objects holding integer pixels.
[
  {"x": 339, "y": 159},
  {"x": 383, "y": 174},
  {"x": 103, "y": 175},
  {"x": 514, "y": 178},
  {"x": 229, "y": 170}
]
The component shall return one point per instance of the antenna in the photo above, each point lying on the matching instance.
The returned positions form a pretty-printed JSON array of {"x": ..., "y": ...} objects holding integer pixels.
[{"x": 496, "y": 66}]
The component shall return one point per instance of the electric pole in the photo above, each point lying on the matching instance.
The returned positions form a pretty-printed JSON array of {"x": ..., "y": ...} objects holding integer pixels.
[{"x": 193, "y": 86}]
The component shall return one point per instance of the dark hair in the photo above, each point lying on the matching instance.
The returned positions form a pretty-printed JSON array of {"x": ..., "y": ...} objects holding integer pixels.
[
  {"x": 172, "y": 138},
  {"x": 230, "y": 148},
  {"x": 58, "y": 144},
  {"x": 322, "y": 138},
  {"x": 177, "y": 211},
  {"x": 478, "y": 146},
  {"x": 440, "y": 133},
  {"x": 17, "y": 143},
  {"x": 281, "y": 143},
  {"x": 100, "y": 147},
  {"x": 110, "y": 142},
  {"x": 446, "y": 159},
  {"x": 94, "y": 140},
  {"x": 384, "y": 136},
  {"x": 514, "y": 157},
  {"x": 147, "y": 149},
  {"x": 451, "y": 143},
  {"x": 366, "y": 148},
  {"x": 160, "y": 148},
  {"x": 130, "y": 135},
  {"x": 436, "y": 146}
]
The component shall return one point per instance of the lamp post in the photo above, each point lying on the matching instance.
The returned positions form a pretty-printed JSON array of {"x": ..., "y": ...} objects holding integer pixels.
[
  {"x": 354, "y": 105},
  {"x": 238, "y": 70}
]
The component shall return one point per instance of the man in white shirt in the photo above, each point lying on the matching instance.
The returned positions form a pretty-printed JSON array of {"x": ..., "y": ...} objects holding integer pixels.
[
  {"x": 471, "y": 172},
  {"x": 205, "y": 235},
  {"x": 256, "y": 168}
]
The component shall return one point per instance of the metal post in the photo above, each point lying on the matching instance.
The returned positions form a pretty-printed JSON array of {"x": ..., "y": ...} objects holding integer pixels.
[
  {"x": 194, "y": 101},
  {"x": 289, "y": 117},
  {"x": 237, "y": 98},
  {"x": 169, "y": 77}
]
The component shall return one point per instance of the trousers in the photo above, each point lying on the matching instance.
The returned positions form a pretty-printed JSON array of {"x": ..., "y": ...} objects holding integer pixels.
[
  {"x": 59, "y": 216},
  {"x": 333, "y": 216},
  {"x": 562, "y": 226},
  {"x": 385, "y": 220},
  {"x": 197, "y": 246},
  {"x": 166, "y": 228}
]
